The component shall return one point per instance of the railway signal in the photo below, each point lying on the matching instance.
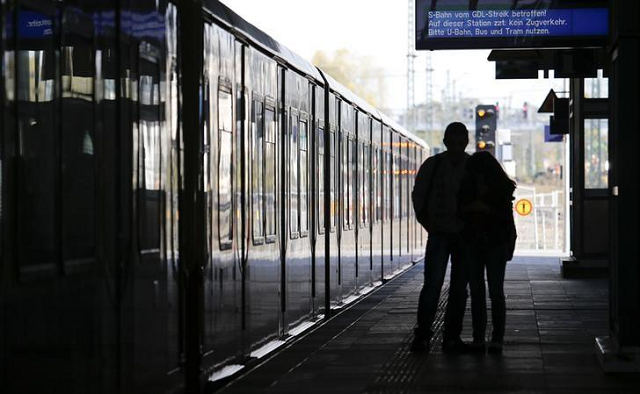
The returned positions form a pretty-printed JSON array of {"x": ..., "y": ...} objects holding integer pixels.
[{"x": 486, "y": 125}]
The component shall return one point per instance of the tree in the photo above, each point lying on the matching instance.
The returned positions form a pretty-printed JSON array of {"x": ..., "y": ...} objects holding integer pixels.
[{"x": 358, "y": 73}]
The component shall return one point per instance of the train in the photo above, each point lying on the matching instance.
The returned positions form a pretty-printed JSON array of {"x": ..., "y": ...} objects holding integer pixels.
[{"x": 180, "y": 193}]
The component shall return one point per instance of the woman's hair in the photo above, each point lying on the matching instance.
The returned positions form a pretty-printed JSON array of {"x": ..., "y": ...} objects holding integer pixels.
[{"x": 483, "y": 163}]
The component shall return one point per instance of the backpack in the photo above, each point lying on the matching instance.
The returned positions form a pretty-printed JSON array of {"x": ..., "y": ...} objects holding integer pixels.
[{"x": 422, "y": 189}]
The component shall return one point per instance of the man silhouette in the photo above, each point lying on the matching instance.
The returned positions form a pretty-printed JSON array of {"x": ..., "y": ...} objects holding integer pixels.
[{"x": 437, "y": 182}]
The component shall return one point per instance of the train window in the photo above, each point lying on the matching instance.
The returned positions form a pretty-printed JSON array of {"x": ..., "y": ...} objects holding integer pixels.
[
  {"x": 394, "y": 187},
  {"x": 345, "y": 182},
  {"x": 361, "y": 181},
  {"x": 321, "y": 193},
  {"x": 367, "y": 181},
  {"x": 353, "y": 206},
  {"x": 388, "y": 185},
  {"x": 270, "y": 174},
  {"x": 304, "y": 180},
  {"x": 374, "y": 183},
  {"x": 401, "y": 176},
  {"x": 294, "y": 225},
  {"x": 405, "y": 184},
  {"x": 332, "y": 181},
  {"x": 379, "y": 183},
  {"x": 257, "y": 180},
  {"x": 225, "y": 189}
]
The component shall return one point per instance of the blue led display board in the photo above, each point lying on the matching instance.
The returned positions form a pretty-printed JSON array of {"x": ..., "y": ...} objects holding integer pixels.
[
  {"x": 33, "y": 24},
  {"x": 490, "y": 24}
]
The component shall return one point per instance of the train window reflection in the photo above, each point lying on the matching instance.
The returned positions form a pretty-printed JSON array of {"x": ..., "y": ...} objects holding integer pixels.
[
  {"x": 293, "y": 177},
  {"x": 345, "y": 181},
  {"x": 353, "y": 203},
  {"x": 77, "y": 72},
  {"x": 257, "y": 179},
  {"x": 304, "y": 180},
  {"x": 363, "y": 185},
  {"x": 225, "y": 116},
  {"x": 388, "y": 184},
  {"x": 224, "y": 169},
  {"x": 332, "y": 186},
  {"x": 366, "y": 181},
  {"x": 377, "y": 188},
  {"x": 270, "y": 174},
  {"x": 321, "y": 193},
  {"x": 36, "y": 76}
]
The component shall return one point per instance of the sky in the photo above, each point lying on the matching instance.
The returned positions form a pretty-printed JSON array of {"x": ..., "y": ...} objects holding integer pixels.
[{"x": 379, "y": 29}]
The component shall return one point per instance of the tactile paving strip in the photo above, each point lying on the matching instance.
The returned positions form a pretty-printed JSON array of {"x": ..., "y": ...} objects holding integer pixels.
[{"x": 398, "y": 374}]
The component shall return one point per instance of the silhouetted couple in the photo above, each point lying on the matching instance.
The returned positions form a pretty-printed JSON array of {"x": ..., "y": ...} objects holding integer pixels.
[{"x": 465, "y": 203}]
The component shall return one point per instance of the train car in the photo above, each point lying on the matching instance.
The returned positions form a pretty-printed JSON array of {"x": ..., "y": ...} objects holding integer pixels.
[
  {"x": 355, "y": 117},
  {"x": 179, "y": 193}
]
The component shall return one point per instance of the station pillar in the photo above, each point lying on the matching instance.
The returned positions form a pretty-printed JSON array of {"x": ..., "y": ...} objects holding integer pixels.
[
  {"x": 620, "y": 351},
  {"x": 589, "y": 185}
]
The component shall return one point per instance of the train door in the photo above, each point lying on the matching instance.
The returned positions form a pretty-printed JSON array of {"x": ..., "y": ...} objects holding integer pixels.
[
  {"x": 51, "y": 287},
  {"x": 261, "y": 280},
  {"x": 376, "y": 200},
  {"x": 152, "y": 306},
  {"x": 320, "y": 150},
  {"x": 396, "y": 230},
  {"x": 387, "y": 217},
  {"x": 149, "y": 327},
  {"x": 363, "y": 219},
  {"x": 348, "y": 168},
  {"x": 4, "y": 78},
  {"x": 3, "y": 127},
  {"x": 412, "y": 220},
  {"x": 297, "y": 249},
  {"x": 333, "y": 206},
  {"x": 172, "y": 171},
  {"x": 406, "y": 222},
  {"x": 223, "y": 122}
]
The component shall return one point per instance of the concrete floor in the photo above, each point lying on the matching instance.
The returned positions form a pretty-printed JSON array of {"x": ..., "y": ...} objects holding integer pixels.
[{"x": 549, "y": 344}]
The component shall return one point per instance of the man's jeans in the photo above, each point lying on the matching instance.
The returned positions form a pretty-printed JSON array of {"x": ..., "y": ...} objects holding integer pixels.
[
  {"x": 439, "y": 247},
  {"x": 479, "y": 255}
]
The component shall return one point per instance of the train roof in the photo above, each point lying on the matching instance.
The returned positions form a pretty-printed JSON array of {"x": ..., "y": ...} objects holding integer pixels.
[
  {"x": 398, "y": 128},
  {"x": 348, "y": 95},
  {"x": 363, "y": 104},
  {"x": 240, "y": 26}
]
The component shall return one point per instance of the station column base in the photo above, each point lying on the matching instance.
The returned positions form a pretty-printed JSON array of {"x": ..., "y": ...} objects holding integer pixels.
[
  {"x": 614, "y": 359},
  {"x": 572, "y": 268}
]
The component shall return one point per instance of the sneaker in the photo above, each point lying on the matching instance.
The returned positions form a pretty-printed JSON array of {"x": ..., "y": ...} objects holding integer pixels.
[
  {"x": 495, "y": 347},
  {"x": 477, "y": 347},
  {"x": 454, "y": 346},
  {"x": 420, "y": 342}
]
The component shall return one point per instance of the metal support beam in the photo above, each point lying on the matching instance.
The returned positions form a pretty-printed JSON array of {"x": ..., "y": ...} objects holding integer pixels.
[
  {"x": 411, "y": 70},
  {"x": 192, "y": 238},
  {"x": 620, "y": 351}
]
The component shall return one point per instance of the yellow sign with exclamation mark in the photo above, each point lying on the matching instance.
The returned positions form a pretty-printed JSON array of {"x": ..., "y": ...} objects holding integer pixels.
[{"x": 524, "y": 207}]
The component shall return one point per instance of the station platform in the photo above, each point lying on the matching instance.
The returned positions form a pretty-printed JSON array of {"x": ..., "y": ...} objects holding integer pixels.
[{"x": 549, "y": 344}]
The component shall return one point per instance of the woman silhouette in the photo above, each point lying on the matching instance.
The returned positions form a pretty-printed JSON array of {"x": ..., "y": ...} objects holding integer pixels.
[{"x": 485, "y": 203}]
